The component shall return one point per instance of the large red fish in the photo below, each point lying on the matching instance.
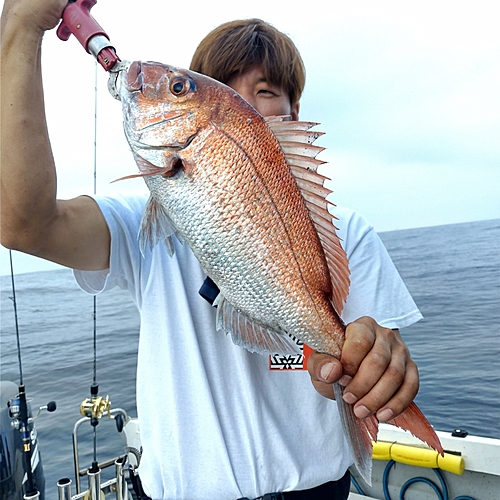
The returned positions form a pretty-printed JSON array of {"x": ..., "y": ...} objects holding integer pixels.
[{"x": 243, "y": 192}]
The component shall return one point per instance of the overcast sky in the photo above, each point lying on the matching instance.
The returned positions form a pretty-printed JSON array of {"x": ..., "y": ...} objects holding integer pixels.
[{"x": 407, "y": 93}]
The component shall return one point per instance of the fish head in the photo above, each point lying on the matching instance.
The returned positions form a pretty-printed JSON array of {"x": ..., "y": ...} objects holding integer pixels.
[
  {"x": 159, "y": 110},
  {"x": 166, "y": 108}
]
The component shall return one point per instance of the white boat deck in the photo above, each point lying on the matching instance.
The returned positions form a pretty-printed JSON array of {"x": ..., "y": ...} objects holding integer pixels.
[{"x": 471, "y": 469}]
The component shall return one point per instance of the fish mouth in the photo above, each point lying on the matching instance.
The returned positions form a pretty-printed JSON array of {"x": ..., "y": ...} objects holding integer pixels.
[{"x": 132, "y": 78}]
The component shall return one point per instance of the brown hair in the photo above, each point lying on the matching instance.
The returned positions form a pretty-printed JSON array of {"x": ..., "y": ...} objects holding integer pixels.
[{"x": 235, "y": 46}]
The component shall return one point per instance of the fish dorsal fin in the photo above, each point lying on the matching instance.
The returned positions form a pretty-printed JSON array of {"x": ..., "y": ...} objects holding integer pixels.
[
  {"x": 156, "y": 226},
  {"x": 296, "y": 140},
  {"x": 248, "y": 334}
]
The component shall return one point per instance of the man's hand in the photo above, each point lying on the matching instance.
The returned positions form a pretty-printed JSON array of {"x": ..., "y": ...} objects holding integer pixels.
[
  {"x": 33, "y": 15},
  {"x": 376, "y": 370}
]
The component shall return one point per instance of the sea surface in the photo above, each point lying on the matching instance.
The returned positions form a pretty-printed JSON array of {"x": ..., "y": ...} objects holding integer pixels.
[{"x": 452, "y": 271}]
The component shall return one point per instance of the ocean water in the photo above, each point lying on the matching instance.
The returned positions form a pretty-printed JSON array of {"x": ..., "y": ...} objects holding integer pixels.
[{"x": 453, "y": 273}]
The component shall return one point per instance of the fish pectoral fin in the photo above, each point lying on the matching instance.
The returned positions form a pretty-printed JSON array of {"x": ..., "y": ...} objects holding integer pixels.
[
  {"x": 248, "y": 334},
  {"x": 156, "y": 226}
]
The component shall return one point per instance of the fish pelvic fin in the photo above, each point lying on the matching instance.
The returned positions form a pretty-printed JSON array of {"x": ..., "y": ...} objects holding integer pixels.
[
  {"x": 156, "y": 226},
  {"x": 250, "y": 335},
  {"x": 414, "y": 421},
  {"x": 296, "y": 140},
  {"x": 359, "y": 434}
]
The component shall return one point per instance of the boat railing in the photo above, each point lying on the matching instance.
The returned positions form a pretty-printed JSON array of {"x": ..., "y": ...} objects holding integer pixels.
[{"x": 97, "y": 490}]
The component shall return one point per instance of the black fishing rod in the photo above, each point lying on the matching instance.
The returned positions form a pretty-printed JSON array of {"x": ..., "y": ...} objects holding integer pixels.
[{"x": 19, "y": 410}]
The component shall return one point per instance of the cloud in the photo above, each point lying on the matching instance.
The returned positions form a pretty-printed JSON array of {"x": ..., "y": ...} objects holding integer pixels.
[{"x": 407, "y": 94}]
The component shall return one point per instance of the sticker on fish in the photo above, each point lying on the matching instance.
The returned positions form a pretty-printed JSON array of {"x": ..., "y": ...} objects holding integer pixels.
[
  {"x": 244, "y": 193},
  {"x": 280, "y": 362}
]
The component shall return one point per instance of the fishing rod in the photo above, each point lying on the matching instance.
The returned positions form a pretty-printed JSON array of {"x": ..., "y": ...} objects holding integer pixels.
[
  {"x": 77, "y": 21},
  {"x": 19, "y": 410}
]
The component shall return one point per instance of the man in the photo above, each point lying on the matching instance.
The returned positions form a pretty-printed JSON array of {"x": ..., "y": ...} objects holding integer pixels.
[{"x": 216, "y": 423}]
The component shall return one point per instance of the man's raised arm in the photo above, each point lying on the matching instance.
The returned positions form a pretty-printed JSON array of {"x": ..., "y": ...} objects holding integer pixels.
[{"x": 72, "y": 233}]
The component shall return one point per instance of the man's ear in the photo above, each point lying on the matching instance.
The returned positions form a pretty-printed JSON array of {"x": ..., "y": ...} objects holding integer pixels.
[{"x": 295, "y": 111}]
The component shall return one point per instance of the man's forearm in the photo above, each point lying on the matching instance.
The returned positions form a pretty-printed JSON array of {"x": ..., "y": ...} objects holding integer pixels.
[{"x": 28, "y": 178}]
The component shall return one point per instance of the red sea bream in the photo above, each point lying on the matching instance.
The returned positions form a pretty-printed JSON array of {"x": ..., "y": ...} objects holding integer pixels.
[{"x": 244, "y": 193}]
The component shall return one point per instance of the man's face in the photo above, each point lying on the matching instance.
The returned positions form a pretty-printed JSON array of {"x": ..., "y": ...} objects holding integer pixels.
[{"x": 266, "y": 98}]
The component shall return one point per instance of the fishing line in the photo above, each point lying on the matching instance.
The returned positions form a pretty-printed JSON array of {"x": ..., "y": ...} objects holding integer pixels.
[{"x": 16, "y": 320}]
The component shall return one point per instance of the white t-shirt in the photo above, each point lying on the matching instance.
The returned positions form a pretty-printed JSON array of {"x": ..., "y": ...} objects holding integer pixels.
[{"x": 216, "y": 421}]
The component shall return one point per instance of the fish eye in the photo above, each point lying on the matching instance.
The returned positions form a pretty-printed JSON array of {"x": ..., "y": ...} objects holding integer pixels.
[{"x": 180, "y": 86}]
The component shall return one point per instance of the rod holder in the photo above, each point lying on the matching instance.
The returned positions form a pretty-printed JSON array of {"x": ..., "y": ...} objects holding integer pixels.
[
  {"x": 121, "y": 484},
  {"x": 34, "y": 495},
  {"x": 94, "y": 484},
  {"x": 64, "y": 488}
]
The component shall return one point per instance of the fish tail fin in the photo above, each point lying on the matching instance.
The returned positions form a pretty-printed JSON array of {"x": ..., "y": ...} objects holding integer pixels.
[
  {"x": 359, "y": 434},
  {"x": 414, "y": 421}
]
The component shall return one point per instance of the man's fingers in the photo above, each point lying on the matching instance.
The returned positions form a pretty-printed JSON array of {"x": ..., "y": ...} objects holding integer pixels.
[
  {"x": 395, "y": 390},
  {"x": 403, "y": 397},
  {"x": 359, "y": 340},
  {"x": 324, "y": 371},
  {"x": 372, "y": 376},
  {"x": 384, "y": 377}
]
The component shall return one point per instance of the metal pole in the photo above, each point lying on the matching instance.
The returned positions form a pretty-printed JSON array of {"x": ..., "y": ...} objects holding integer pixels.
[
  {"x": 94, "y": 476},
  {"x": 32, "y": 496},
  {"x": 121, "y": 484},
  {"x": 64, "y": 488}
]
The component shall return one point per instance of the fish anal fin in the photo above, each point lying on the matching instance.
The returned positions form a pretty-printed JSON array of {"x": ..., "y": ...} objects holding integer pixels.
[
  {"x": 248, "y": 334},
  {"x": 414, "y": 421}
]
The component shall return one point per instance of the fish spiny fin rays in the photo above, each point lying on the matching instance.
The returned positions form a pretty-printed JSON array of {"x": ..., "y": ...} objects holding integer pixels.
[
  {"x": 359, "y": 434},
  {"x": 156, "y": 226},
  {"x": 250, "y": 335},
  {"x": 414, "y": 421},
  {"x": 296, "y": 140}
]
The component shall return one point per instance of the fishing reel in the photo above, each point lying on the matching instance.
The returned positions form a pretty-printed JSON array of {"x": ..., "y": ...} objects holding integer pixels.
[
  {"x": 15, "y": 412},
  {"x": 95, "y": 406},
  {"x": 22, "y": 438}
]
